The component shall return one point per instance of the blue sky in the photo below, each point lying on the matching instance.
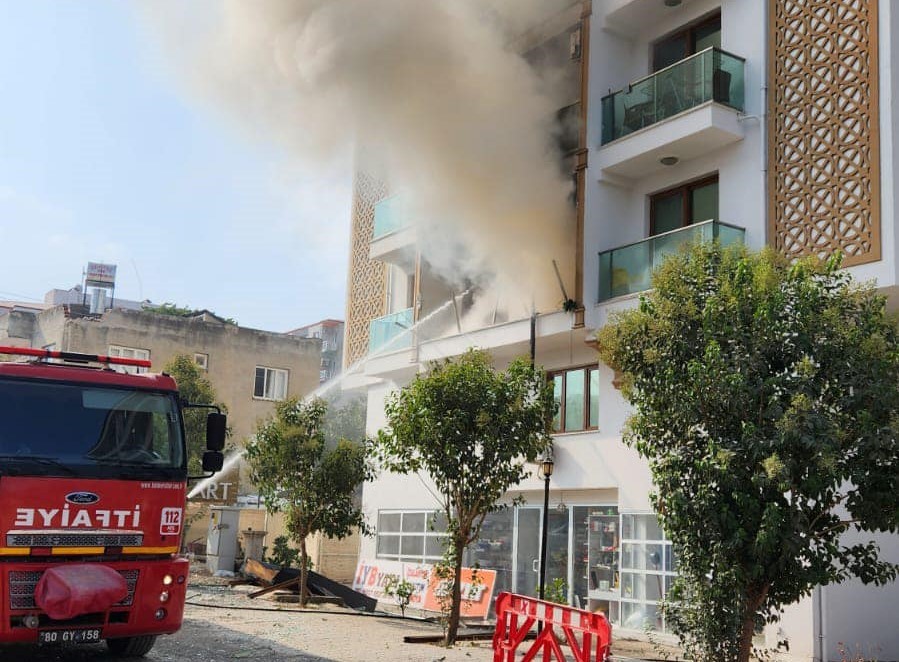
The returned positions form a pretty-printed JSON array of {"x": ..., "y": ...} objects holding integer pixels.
[{"x": 104, "y": 157}]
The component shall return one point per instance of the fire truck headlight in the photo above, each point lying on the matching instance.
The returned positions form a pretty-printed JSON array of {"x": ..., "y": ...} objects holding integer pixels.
[
  {"x": 180, "y": 579},
  {"x": 164, "y": 596},
  {"x": 167, "y": 580},
  {"x": 160, "y": 614}
]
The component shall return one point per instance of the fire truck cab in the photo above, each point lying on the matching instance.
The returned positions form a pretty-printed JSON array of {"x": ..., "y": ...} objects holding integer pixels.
[{"x": 93, "y": 477}]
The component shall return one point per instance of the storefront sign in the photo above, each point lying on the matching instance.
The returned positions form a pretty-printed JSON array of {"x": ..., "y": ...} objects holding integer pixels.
[{"x": 373, "y": 576}]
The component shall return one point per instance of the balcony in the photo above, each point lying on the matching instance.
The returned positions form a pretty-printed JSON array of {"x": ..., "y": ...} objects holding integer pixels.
[
  {"x": 696, "y": 100},
  {"x": 392, "y": 237},
  {"x": 390, "y": 333},
  {"x": 628, "y": 269},
  {"x": 389, "y": 217}
]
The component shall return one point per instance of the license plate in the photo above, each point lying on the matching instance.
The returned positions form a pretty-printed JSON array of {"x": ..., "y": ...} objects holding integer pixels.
[{"x": 80, "y": 636}]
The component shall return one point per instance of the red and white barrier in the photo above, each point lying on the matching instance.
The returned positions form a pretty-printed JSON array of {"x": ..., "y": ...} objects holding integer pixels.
[{"x": 588, "y": 635}]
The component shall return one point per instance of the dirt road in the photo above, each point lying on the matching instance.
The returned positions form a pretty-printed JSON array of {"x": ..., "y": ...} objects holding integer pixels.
[{"x": 222, "y": 624}]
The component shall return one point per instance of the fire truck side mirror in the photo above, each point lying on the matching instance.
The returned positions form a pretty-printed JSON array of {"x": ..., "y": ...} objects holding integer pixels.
[
  {"x": 213, "y": 461},
  {"x": 216, "y": 429}
]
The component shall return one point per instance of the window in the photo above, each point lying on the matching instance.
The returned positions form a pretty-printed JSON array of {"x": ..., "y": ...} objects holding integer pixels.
[
  {"x": 202, "y": 360},
  {"x": 686, "y": 42},
  {"x": 128, "y": 353},
  {"x": 94, "y": 431},
  {"x": 412, "y": 536},
  {"x": 271, "y": 383},
  {"x": 682, "y": 206},
  {"x": 577, "y": 392},
  {"x": 648, "y": 567}
]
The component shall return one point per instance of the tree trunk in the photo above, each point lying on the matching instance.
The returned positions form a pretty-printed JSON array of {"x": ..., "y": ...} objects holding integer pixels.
[
  {"x": 304, "y": 572},
  {"x": 754, "y": 600},
  {"x": 452, "y": 626}
]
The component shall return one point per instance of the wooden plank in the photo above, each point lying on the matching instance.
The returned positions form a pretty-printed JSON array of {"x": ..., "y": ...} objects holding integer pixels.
[
  {"x": 274, "y": 587},
  {"x": 477, "y": 635},
  {"x": 260, "y": 571}
]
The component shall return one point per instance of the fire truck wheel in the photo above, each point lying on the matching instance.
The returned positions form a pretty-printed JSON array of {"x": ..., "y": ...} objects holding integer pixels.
[{"x": 131, "y": 646}]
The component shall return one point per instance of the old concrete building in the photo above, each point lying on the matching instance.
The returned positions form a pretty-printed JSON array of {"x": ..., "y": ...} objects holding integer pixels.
[{"x": 250, "y": 369}]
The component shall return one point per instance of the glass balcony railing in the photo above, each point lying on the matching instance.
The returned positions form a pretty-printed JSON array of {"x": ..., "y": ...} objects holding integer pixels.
[
  {"x": 628, "y": 269},
  {"x": 710, "y": 75},
  {"x": 389, "y": 216},
  {"x": 385, "y": 332}
]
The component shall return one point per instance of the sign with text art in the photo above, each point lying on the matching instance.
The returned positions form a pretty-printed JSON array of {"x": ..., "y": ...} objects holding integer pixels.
[
  {"x": 373, "y": 576},
  {"x": 99, "y": 275}
]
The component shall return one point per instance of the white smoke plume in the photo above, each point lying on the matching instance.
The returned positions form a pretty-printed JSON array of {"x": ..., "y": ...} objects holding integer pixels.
[{"x": 433, "y": 96}]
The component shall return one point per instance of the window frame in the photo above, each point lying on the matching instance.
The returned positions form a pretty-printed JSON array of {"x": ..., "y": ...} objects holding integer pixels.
[
  {"x": 204, "y": 364},
  {"x": 689, "y": 31},
  {"x": 685, "y": 191},
  {"x": 425, "y": 534},
  {"x": 552, "y": 375},
  {"x": 265, "y": 381},
  {"x": 140, "y": 353}
]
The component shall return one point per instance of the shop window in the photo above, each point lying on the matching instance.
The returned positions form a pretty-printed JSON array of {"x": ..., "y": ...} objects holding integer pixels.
[
  {"x": 576, "y": 392},
  {"x": 648, "y": 567},
  {"x": 682, "y": 206},
  {"x": 686, "y": 42},
  {"x": 411, "y": 536},
  {"x": 596, "y": 561},
  {"x": 271, "y": 383}
]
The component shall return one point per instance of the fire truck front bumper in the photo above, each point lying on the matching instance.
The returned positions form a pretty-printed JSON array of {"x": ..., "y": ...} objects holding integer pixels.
[{"x": 154, "y": 604}]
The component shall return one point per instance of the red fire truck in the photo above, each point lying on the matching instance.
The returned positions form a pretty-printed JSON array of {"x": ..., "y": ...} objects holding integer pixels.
[{"x": 93, "y": 475}]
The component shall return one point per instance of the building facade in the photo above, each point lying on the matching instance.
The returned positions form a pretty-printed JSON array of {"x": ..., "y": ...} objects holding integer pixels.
[
  {"x": 766, "y": 122},
  {"x": 331, "y": 333},
  {"x": 249, "y": 369}
]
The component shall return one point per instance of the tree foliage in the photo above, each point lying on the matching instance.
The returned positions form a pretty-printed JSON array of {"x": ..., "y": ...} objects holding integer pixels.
[
  {"x": 311, "y": 481},
  {"x": 194, "y": 387},
  {"x": 174, "y": 310},
  {"x": 473, "y": 429},
  {"x": 766, "y": 400}
]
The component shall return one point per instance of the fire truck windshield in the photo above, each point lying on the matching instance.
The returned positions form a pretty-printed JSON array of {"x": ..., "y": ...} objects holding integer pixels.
[{"x": 48, "y": 428}]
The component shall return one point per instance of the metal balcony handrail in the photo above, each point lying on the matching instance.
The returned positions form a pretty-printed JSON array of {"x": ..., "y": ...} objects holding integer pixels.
[
  {"x": 670, "y": 232},
  {"x": 671, "y": 66}
]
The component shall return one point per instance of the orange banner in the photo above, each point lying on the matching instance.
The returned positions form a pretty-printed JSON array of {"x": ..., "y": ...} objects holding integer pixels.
[
  {"x": 477, "y": 589},
  {"x": 372, "y": 576}
]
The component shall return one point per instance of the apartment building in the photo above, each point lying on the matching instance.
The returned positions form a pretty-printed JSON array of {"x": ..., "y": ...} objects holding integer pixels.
[
  {"x": 762, "y": 122},
  {"x": 330, "y": 332}
]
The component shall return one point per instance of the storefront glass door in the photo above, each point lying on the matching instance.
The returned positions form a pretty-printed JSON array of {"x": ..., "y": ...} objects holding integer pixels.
[
  {"x": 557, "y": 551},
  {"x": 527, "y": 553}
]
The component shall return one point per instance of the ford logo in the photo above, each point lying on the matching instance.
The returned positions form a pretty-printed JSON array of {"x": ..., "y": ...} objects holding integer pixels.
[{"x": 82, "y": 498}]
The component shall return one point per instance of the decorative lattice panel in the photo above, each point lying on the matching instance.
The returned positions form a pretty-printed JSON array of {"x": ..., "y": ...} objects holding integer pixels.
[
  {"x": 823, "y": 156},
  {"x": 367, "y": 284}
]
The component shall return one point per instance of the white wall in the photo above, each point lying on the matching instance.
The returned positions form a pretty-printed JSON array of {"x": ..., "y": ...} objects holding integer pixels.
[{"x": 616, "y": 215}]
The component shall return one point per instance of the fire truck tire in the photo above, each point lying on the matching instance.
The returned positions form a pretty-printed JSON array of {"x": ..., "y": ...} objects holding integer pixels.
[{"x": 131, "y": 646}]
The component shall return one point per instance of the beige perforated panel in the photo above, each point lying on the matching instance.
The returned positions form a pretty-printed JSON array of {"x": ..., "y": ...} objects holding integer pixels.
[
  {"x": 823, "y": 155},
  {"x": 367, "y": 282}
]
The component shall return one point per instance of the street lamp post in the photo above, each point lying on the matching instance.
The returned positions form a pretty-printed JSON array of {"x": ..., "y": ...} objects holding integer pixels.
[{"x": 546, "y": 470}]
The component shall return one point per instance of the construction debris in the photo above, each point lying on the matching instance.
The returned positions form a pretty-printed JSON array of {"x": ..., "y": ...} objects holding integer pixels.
[{"x": 274, "y": 578}]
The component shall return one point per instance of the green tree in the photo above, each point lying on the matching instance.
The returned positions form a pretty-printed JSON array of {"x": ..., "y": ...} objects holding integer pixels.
[
  {"x": 174, "y": 310},
  {"x": 311, "y": 481},
  {"x": 766, "y": 400},
  {"x": 195, "y": 387},
  {"x": 473, "y": 429}
]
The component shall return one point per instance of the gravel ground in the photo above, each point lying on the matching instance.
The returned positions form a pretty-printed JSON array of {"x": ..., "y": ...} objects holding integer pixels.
[{"x": 222, "y": 624}]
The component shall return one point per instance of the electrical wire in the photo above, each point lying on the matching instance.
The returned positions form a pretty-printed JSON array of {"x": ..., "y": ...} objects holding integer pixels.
[{"x": 313, "y": 611}]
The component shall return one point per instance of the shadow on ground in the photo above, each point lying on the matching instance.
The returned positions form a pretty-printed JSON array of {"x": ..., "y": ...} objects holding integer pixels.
[{"x": 197, "y": 640}]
